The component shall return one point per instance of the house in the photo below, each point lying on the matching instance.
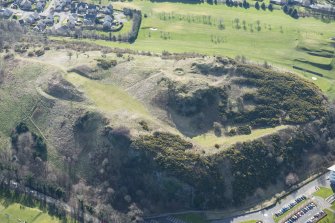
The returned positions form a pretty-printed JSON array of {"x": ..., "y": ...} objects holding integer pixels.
[
  {"x": 107, "y": 24},
  {"x": 29, "y": 20},
  {"x": 5, "y": 13},
  {"x": 49, "y": 21},
  {"x": 278, "y": 2},
  {"x": 71, "y": 22},
  {"x": 89, "y": 19},
  {"x": 14, "y": 6},
  {"x": 127, "y": 12},
  {"x": 73, "y": 7},
  {"x": 296, "y": 2},
  {"x": 108, "y": 11},
  {"x": 323, "y": 8},
  {"x": 41, "y": 25},
  {"x": 81, "y": 8},
  {"x": 92, "y": 9},
  {"x": 26, "y": 5},
  {"x": 40, "y": 6}
]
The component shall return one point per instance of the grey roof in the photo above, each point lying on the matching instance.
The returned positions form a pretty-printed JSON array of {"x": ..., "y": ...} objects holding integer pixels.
[
  {"x": 7, "y": 12},
  {"x": 108, "y": 18},
  {"x": 25, "y": 4}
]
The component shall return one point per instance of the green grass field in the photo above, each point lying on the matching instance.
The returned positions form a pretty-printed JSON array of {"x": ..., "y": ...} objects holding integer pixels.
[
  {"x": 323, "y": 192},
  {"x": 280, "y": 39},
  {"x": 15, "y": 212},
  {"x": 208, "y": 140},
  {"x": 330, "y": 218}
]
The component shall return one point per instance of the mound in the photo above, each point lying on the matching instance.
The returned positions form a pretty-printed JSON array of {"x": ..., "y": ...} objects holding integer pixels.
[
  {"x": 235, "y": 95},
  {"x": 60, "y": 88},
  {"x": 86, "y": 71}
]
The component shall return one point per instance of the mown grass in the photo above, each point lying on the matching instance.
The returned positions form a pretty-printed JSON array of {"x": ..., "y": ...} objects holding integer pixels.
[
  {"x": 283, "y": 43},
  {"x": 15, "y": 212},
  {"x": 330, "y": 218},
  {"x": 208, "y": 140},
  {"x": 323, "y": 192}
]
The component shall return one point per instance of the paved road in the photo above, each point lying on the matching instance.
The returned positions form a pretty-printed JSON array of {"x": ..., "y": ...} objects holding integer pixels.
[{"x": 266, "y": 215}]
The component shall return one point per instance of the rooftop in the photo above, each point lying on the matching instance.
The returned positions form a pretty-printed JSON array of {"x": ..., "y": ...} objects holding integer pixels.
[{"x": 332, "y": 168}]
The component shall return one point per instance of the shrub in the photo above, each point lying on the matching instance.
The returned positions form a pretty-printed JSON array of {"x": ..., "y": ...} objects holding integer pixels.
[
  {"x": 21, "y": 128},
  {"x": 106, "y": 64},
  {"x": 144, "y": 125},
  {"x": 31, "y": 54},
  {"x": 244, "y": 130},
  {"x": 39, "y": 52},
  {"x": 232, "y": 132},
  {"x": 257, "y": 5}
]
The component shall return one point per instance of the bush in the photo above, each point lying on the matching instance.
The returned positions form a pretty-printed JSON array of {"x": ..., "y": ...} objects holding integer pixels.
[
  {"x": 232, "y": 132},
  {"x": 39, "y": 52},
  {"x": 106, "y": 64},
  {"x": 257, "y": 5},
  {"x": 31, "y": 54},
  {"x": 144, "y": 125},
  {"x": 244, "y": 130},
  {"x": 21, "y": 128}
]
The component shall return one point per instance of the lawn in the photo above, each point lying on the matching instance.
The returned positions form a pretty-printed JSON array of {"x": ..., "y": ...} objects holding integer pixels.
[
  {"x": 15, "y": 212},
  {"x": 258, "y": 35},
  {"x": 323, "y": 192},
  {"x": 330, "y": 218},
  {"x": 208, "y": 140},
  {"x": 192, "y": 218},
  {"x": 333, "y": 206}
]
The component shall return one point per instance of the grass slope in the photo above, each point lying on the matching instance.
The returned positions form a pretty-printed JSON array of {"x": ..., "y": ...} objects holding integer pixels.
[
  {"x": 329, "y": 218},
  {"x": 323, "y": 192},
  {"x": 210, "y": 139}
]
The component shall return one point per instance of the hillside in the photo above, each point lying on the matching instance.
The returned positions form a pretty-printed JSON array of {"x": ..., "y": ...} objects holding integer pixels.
[{"x": 122, "y": 135}]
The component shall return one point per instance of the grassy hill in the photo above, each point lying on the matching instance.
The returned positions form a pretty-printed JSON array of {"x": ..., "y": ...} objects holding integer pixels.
[
  {"x": 258, "y": 35},
  {"x": 149, "y": 134}
]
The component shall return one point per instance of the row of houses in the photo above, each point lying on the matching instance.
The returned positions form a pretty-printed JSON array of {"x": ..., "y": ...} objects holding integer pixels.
[
  {"x": 37, "y": 21},
  {"x": 29, "y": 5},
  {"x": 305, "y": 3},
  {"x": 82, "y": 7}
]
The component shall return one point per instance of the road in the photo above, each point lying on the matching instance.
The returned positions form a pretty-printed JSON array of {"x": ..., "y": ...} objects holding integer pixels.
[{"x": 266, "y": 215}]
